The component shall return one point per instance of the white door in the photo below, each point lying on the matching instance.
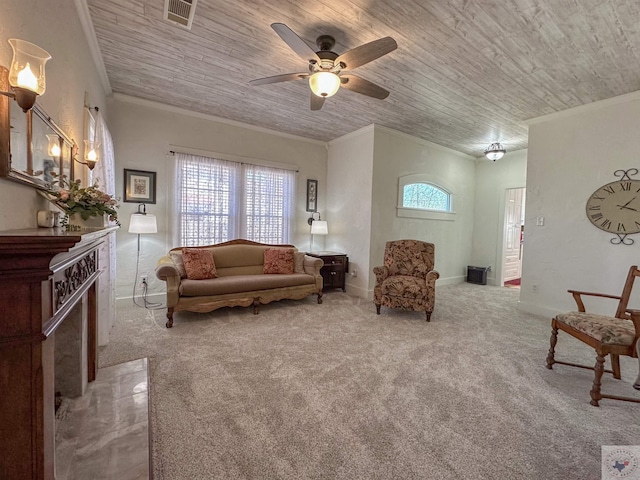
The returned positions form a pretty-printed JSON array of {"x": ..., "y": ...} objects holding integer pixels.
[{"x": 513, "y": 225}]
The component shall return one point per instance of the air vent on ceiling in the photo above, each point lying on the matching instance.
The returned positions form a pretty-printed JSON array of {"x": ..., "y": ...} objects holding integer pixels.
[{"x": 180, "y": 11}]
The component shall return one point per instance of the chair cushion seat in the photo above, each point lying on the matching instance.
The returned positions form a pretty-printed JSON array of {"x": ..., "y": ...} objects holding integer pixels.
[
  {"x": 404, "y": 286},
  {"x": 607, "y": 330}
]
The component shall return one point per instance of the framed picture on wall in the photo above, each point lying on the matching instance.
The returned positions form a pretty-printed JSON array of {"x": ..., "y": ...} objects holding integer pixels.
[
  {"x": 312, "y": 195},
  {"x": 139, "y": 186}
]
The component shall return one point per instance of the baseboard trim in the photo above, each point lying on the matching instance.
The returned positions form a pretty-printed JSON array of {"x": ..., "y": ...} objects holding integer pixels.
[
  {"x": 450, "y": 280},
  {"x": 537, "y": 309},
  {"x": 358, "y": 291}
]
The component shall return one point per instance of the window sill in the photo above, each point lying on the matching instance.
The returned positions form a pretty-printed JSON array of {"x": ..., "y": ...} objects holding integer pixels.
[{"x": 425, "y": 214}]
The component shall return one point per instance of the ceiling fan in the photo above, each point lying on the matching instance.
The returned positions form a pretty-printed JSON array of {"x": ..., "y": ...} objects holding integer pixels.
[{"x": 329, "y": 71}]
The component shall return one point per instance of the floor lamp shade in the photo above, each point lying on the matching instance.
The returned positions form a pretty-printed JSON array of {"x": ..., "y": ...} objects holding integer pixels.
[
  {"x": 143, "y": 224},
  {"x": 319, "y": 227}
]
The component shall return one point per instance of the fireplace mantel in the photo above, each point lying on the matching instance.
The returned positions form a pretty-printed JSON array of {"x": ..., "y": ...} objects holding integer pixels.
[{"x": 44, "y": 273}]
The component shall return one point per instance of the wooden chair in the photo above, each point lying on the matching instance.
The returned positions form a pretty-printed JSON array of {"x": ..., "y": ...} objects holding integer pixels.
[{"x": 619, "y": 335}]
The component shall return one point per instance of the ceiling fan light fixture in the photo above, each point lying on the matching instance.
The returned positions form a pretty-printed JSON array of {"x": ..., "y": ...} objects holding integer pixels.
[
  {"x": 324, "y": 84},
  {"x": 495, "y": 151}
]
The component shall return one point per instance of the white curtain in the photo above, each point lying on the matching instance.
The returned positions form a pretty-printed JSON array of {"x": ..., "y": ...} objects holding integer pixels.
[
  {"x": 219, "y": 200},
  {"x": 104, "y": 173}
]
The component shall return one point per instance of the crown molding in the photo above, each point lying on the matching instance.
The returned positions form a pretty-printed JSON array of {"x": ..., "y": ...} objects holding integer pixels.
[
  {"x": 205, "y": 116},
  {"x": 92, "y": 41},
  {"x": 351, "y": 135},
  {"x": 589, "y": 107}
]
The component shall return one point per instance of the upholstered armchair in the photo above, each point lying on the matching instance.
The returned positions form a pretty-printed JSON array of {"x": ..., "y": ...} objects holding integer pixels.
[{"x": 407, "y": 279}]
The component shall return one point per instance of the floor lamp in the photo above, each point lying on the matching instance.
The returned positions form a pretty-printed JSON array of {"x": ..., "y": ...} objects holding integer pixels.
[
  {"x": 318, "y": 227},
  {"x": 140, "y": 224}
]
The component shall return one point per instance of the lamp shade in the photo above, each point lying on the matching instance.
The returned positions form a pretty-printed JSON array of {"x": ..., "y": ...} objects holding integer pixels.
[
  {"x": 143, "y": 224},
  {"x": 91, "y": 150},
  {"x": 319, "y": 227},
  {"x": 324, "y": 84},
  {"x": 27, "y": 67},
  {"x": 53, "y": 145}
]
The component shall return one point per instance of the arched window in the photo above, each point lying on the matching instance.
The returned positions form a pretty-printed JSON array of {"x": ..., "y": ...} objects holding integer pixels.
[
  {"x": 419, "y": 196},
  {"x": 426, "y": 196}
]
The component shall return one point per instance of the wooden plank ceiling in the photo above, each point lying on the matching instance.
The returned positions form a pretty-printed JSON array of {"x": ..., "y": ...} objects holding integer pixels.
[{"x": 466, "y": 72}]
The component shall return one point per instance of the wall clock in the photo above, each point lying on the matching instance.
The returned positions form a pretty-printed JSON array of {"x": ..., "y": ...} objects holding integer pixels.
[{"x": 615, "y": 207}]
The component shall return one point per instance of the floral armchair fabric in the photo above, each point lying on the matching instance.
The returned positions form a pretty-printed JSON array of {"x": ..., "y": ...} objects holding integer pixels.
[{"x": 407, "y": 279}]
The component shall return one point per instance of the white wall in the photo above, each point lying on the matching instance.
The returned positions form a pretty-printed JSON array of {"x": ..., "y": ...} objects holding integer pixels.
[
  {"x": 362, "y": 181},
  {"x": 397, "y": 154},
  {"x": 569, "y": 157},
  {"x": 55, "y": 27},
  {"x": 349, "y": 190},
  {"x": 492, "y": 181},
  {"x": 144, "y": 132}
]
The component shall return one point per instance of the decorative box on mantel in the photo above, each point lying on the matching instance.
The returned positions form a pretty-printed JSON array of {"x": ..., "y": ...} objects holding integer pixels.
[
  {"x": 77, "y": 223},
  {"x": 48, "y": 314}
]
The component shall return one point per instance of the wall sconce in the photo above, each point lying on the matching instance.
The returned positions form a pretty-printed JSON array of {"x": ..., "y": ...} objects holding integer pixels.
[
  {"x": 91, "y": 153},
  {"x": 26, "y": 74},
  {"x": 318, "y": 227},
  {"x": 495, "y": 152}
]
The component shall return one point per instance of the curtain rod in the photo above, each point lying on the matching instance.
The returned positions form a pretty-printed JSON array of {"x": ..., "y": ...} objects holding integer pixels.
[{"x": 173, "y": 152}]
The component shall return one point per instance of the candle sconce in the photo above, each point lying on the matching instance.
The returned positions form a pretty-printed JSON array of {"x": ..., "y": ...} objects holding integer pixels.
[{"x": 33, "y": 149}]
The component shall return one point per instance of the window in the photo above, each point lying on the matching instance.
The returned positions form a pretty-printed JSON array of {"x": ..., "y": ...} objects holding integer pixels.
[
  {"x": 426, "y": 197},
  {"x": 219, "y": 200},
  {"x": 420, "y": 197}
]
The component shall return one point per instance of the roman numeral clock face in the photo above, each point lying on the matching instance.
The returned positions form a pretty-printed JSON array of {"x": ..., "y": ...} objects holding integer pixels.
[{"x": 615, "y": 207}]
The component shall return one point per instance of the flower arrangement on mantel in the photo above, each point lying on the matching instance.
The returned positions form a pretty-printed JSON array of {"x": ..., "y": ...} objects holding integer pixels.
[{"x": 84, "y": 201}]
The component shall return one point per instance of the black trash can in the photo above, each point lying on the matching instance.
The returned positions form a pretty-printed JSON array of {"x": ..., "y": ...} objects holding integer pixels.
[{"x": 477, "y": 275}]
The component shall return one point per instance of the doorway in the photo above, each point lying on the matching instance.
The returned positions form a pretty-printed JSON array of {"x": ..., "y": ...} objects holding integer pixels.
[{"x": 513, "y": 237}]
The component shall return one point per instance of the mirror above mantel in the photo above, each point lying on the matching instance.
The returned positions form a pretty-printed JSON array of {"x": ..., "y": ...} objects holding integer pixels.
[{"x": 33, "y": 149}]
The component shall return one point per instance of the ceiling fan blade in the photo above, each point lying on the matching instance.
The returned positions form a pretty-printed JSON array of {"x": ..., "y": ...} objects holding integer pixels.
[
  {"x": 316, "y": 102},
  {"x": 367, "y": 52},
  {"x": 296, "y": 44},
  {"x": 365, "y": 87},
  {"x": 279, "y": 78}
]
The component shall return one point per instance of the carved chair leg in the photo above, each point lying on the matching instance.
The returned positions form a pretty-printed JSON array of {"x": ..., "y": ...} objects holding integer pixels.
[
  {"x": 615, "y": 366},
  {"x": 256, "y": 306},
  {"x": 428, "y": 316},
  {"x": 169, "y": 323},
  {"x": 637, "y": 384},
  {"x": 319, "y": 298},
  {"x": 599, "y": 370},
  {"x": 378, "y": 309},
  {"x": 554, "y": 339}
]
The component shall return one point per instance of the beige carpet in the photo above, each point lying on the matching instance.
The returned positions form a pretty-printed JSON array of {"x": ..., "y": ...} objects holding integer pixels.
[{"x": 307, "y": 391}]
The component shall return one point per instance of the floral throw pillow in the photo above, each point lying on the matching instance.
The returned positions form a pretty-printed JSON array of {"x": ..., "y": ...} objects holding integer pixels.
[
  {"x": 278, "y": 260},
  {"x": 198, "y": 263}
]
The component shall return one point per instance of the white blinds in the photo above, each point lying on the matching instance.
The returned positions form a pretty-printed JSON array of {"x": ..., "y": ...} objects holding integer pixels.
[{"x": 219, "y": 200}]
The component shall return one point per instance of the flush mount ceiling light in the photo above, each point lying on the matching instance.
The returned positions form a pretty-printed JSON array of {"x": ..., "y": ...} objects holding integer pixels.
[{"x": 495, "y": 151}]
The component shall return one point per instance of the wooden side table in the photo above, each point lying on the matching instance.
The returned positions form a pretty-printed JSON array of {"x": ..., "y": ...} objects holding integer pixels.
[{"x": 336, "y": 265}]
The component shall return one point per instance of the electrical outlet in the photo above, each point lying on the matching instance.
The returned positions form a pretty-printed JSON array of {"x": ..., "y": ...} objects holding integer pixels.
[
  {"x": 534, "y": 288},
  {"x": 354, "y": 273},
  {"x": 143, "y": 280}
]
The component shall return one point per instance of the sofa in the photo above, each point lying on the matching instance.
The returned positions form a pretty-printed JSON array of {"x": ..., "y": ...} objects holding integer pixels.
[{"x": 236, "y": 276}]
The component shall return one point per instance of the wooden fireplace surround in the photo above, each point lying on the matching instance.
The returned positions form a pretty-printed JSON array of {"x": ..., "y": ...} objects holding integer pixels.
[{"x": 44, "y": 273}]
